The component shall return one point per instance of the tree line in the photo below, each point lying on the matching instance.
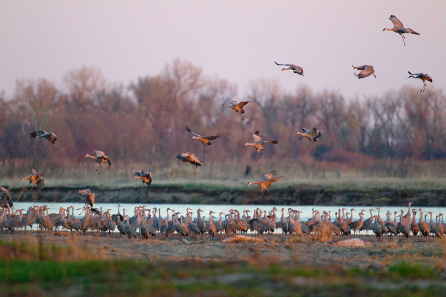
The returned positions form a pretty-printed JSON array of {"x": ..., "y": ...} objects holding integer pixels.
[{"x": 145, "y": 121}]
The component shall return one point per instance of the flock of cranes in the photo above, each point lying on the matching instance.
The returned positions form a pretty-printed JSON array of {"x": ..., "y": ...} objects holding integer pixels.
[
  {"x": 368, "y": 70},
  {"x": 146, "y": 222},
  {"x": 149, "y": 224}
]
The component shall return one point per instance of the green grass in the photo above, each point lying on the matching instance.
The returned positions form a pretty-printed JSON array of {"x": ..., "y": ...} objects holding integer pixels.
[
  {"x": 413, "y": 270},
  {"x": 138, "y": 278}
]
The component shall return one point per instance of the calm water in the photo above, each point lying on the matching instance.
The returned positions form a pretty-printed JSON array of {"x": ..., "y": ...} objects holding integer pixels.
[{"x": 129, "y": 207}]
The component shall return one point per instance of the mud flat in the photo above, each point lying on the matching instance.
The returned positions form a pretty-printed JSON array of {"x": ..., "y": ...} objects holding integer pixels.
[{"x": 299, "y": 195}]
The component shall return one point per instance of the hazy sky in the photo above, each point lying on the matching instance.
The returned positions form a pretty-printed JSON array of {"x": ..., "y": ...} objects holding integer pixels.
[{"x": 234, "y": 40}]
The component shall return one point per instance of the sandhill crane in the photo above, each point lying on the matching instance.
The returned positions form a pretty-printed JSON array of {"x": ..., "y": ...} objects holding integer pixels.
[
  {"x": 147, "y": 230},
  {"x": 192, "y": 226},
  {"x": 367, "y": 70},
  {"x": 219, "y": 224},
  {"x": 146, "y": 177},
  {"x": 283, "y": 224},
  {"x": 266, "y": 181},
  {"x": 35, "y": 178},
  {"x": 51, "y": 137},
  {"x": 179, "y": 227},
  {"x": 73, "y": 222},
  {"x": 237, "y": 107},
  {"x": 296, "y": 69},
  {"x": 294, "y": 226},
  {"x": 28, "y": 219},
  {"x": 343, "y": 226},
  {"x": 191, "y": 158},
  {"x": 5, "y": 198},
  {"x": 406, "y": 217},
  {"x": 433, "y": 227},
  {"x": 120, "y": 223},
  {"x": 402, "y": 227},
  {"x": 203, "y": 139},
  {"x": 440, "y": 225},
  {"x": 16, "y": 222},
  {"x": 129, "y": 230},
  {"x": 258, "y": 143},
  {"x": 414, "y": 227},
  {"x": 118, "y": 215},
  {"x": 89, "y": 197},
  {"x": 200, "y": 222},
  {"x": 423, "y": 76},
  {"x": 312, "y": 135},
  {"x": 377, "y": 228},
  {"x": 100, "y": 158},
  {"x": 367, "y": 224},
  {"x": 356, "y": 225},
  {"x": 424, "y": 227},
  {"x": 399, "y": 28},
  {"x": 211, "y": 229}
]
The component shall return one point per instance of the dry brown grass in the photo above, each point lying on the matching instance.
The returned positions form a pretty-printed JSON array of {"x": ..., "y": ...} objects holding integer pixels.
[{"x": 389, "y": 174}]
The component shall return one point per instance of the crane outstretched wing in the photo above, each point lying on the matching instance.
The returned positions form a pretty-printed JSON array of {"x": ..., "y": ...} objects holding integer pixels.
[
  {"x": 38, "y": 133},
  {"x": 85, "y": 192},
  {"x": 100, "y": 154},
  {"x": 243, "y": 103},
  {"x": 256, "y": 136},
  {"x": 396, "y": 22},
  {"x": 212, "y": 137},
  {"x": 270, "y": 181},
  {"x": 138, "y": 173},
  {"x": 289, "y": 65},
  {"x": 269, "y": 176},
  {"x": 315, "y": 133},
  {"x": 194, "y": 134}
]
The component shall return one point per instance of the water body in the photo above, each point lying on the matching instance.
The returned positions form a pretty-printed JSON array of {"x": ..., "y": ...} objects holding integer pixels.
[{"x": 217, "y": 208}]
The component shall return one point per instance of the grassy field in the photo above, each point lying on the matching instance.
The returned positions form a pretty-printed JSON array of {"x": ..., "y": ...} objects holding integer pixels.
[
  {"x": 115, "y": 278},
  {"x": 78, "y": 266},
  {"x": 234, "y": 174}
]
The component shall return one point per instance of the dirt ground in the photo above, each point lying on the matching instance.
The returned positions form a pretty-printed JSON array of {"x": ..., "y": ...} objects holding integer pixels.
[{"x": 262, "y": 249}]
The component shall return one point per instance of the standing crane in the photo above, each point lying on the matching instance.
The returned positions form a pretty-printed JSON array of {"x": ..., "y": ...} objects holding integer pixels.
[{"x": 399, "y": 28}]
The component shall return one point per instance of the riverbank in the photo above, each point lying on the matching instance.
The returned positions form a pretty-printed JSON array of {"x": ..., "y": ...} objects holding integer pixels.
[{"x": 221, "y": 194}]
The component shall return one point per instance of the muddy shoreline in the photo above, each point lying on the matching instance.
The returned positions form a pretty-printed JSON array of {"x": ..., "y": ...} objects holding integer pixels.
[{"x": 281, "y": 196}]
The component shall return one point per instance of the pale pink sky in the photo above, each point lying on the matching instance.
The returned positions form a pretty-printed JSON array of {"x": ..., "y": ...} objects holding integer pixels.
[{"x": 234, "y": 40}]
